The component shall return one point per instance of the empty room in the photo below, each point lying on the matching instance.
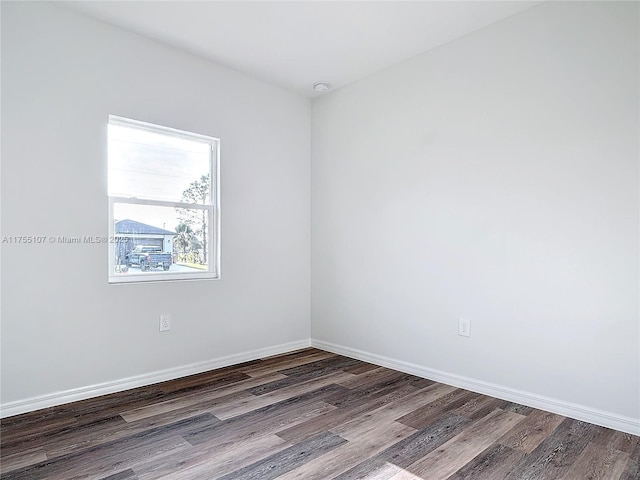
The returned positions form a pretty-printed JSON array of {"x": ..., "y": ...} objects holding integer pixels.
[{"x": 320, "y": 240}]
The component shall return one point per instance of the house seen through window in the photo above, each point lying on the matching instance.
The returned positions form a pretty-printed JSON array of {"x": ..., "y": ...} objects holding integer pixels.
[{"x": 163, "y": 203}]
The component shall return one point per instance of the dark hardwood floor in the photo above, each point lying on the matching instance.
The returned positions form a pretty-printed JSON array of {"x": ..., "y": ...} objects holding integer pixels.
[{"x": 308, "y": 415}]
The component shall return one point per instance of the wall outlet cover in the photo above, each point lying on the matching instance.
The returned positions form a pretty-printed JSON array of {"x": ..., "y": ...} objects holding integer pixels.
[
  {"x": 464, "y": 327},
  {"x": 165, "y": 322}
]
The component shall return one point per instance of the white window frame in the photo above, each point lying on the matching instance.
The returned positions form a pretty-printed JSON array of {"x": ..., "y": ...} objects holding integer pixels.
[{"x": 213, "y": 209}]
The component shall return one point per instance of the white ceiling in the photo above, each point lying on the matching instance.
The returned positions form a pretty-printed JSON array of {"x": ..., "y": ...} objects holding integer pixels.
[{"x": 294, "y": 44}]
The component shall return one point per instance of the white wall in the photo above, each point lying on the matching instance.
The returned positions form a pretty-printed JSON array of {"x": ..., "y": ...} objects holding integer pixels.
[
  {"x": 63, "y": 326},
  {"x": 493, "y": 178}
]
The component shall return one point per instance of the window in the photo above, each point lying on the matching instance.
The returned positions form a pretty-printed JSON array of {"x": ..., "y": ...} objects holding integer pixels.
[{"x": 163, "y": 203}]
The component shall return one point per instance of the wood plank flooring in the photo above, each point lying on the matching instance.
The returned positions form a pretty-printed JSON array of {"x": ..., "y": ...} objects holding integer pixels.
[{"x": 308, "y": 415}]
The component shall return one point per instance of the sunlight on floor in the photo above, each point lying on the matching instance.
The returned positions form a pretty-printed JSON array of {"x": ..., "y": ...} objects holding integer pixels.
[{"x": 391, "y": 472}]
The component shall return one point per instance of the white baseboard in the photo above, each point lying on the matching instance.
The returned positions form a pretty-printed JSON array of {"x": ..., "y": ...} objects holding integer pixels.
[
  {"x": 579, "y": 412},
  {"x": 50, "y": 400},
  {"x": 572, "y": 410}
]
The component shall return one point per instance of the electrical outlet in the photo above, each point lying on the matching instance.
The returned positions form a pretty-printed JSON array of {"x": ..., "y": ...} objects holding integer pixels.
[
  {"x": 165, "y": 322},
  {"x": 464, "y": 327}
]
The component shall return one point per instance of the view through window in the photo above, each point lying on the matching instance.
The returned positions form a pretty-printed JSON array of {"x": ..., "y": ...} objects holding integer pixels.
[{"x": 163, "y": 203}]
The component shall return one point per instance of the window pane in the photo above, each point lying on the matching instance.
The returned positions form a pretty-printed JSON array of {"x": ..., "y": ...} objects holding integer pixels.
[
  {"x": 153, "y": 165},
  {"x": 153, "y": 239}
]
